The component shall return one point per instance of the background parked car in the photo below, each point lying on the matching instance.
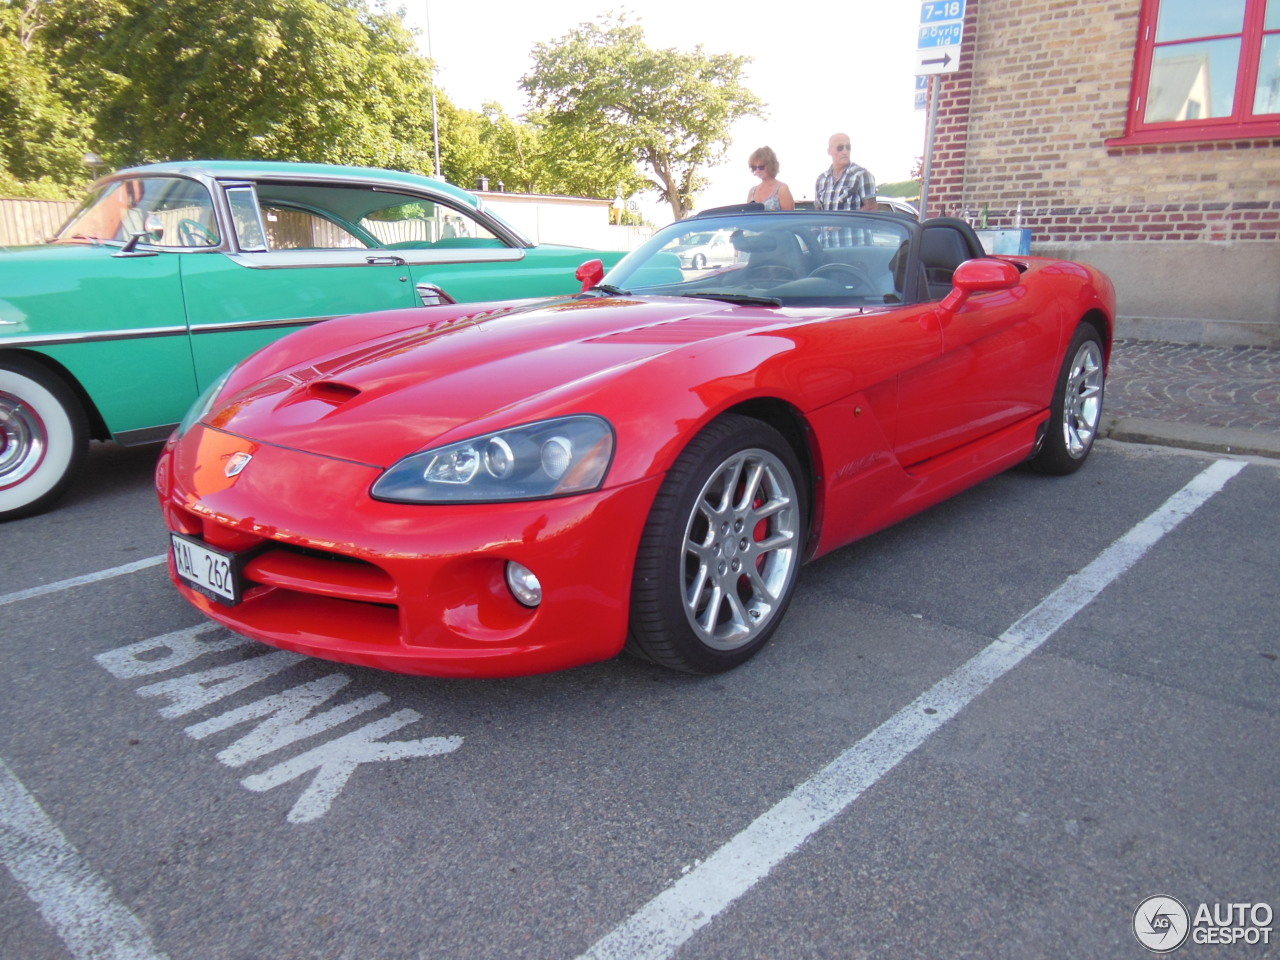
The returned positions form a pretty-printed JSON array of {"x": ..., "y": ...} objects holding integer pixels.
[
  {"x": 712, "y": 249},
  {"x": 169, "y": 273},
  {"x": 883, "y": 205}
]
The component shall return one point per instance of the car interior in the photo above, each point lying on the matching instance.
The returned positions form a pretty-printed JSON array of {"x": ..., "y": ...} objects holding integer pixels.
[{"x": 820, "y": 260}]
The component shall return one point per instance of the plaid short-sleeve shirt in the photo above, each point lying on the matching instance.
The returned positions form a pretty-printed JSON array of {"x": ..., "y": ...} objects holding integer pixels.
[{"x": 845, "y": 192}]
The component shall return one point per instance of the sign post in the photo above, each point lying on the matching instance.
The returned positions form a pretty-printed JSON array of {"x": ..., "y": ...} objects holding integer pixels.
[{"x": 937, "y": 51}]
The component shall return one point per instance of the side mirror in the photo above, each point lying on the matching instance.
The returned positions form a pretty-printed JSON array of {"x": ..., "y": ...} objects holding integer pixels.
[
  {"x": 590, "y": 273},
  {"x": 154, "y": 227},
  {"x": 980, "y": 276}
]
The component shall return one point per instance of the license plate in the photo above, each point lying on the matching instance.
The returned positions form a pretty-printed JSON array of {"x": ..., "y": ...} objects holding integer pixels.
[{"x": 214, "y": 573}]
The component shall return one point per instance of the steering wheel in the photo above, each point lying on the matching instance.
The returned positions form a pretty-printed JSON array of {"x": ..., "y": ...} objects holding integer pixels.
[
  {"x": 193, "y": 233},
  {"x": 767, "y": 272},
  {"x": 854, "y": 278}
]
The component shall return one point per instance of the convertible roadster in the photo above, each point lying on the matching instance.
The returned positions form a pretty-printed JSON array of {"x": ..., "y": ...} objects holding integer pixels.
[{"x": 499, "y": 489}]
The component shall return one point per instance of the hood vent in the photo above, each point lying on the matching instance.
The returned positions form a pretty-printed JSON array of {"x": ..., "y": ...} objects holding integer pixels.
[{"x": 331, "y": 392}]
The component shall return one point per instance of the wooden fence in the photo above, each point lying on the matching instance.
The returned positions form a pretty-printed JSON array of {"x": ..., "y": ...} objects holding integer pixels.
[{"x": 32, "y": 221}]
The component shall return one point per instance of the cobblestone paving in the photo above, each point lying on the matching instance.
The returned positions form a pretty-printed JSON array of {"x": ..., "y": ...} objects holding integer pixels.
[{"x": 1237, "y": 387}]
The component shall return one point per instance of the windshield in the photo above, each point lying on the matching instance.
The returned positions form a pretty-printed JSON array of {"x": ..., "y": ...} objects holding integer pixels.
[
  {"x": 165, "y": 211},
  {"x": 810, "y": 258}
]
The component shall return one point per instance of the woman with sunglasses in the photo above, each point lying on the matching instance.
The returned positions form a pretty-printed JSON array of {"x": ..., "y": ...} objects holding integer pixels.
[{"x": 770, "y": 191}]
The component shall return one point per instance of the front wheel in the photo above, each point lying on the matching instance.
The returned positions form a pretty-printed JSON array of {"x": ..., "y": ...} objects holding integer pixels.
[
  {"x": 1076, "y": 411},
  {"x": 699, "y": 261},
  {"x": 721, "y": 551},
  {"x": 44, "y": 438}
]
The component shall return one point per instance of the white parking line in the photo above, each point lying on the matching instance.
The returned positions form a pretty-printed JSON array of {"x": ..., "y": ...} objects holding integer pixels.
[
  {"x": 75, "y": 901},
  {"x": 676, "y": 914},
  {"x": 77, "y": 581}
]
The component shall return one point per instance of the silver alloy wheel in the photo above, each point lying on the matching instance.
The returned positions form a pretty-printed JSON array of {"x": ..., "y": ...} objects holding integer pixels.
[
  {"x": 1082, "y": 406},
  {"x": 741, "y": 549},
  {"x": 23, "y": 440}
]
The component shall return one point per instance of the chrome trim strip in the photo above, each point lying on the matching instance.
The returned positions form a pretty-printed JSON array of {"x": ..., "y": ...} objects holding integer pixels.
[
  {"x": 287, "y": 260},
  {"x": 151, "y": 333},
  {"x": 50, "y": 339},
  {"x": 233, "y": 325}
]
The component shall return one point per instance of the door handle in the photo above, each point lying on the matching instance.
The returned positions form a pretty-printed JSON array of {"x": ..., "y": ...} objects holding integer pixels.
[{"x": 385, "y": 261}]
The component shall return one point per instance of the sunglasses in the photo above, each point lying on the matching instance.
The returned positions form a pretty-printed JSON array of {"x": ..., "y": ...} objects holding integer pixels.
[
  {"x": 754, "y": 167},
  {"x": 842, "y": 146}
]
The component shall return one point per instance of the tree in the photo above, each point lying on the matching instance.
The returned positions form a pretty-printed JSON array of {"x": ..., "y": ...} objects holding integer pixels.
[
  {"x": 318, "y": 80},
  {"x": 602, "y": 91},
  {"x": 43, "y": 138}
]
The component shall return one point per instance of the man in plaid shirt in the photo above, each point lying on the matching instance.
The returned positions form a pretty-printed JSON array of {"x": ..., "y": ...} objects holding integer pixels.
[{"x": 844, "y": 186}]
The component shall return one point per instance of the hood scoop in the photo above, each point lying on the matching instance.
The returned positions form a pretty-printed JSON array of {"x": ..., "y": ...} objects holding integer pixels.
[{"x": 331, "y": 392}]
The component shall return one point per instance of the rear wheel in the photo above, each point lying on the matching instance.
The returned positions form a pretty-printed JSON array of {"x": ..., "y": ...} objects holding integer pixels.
[
  {"x": 721, "y": 551},
  {"x": 1076, "y": 412},
  {"x": 699, "y": 261},
  {"x": 44, "y": 437}
]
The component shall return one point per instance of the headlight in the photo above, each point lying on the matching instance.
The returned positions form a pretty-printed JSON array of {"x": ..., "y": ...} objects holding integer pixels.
[
  {"x": 204, "y": 403},
  {"x": 553, "y": 458}
]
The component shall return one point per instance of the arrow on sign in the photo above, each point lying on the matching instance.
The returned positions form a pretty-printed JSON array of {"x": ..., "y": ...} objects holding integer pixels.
[{"x": 944, "y": 60}]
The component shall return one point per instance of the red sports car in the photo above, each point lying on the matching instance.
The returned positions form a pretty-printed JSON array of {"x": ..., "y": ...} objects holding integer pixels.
[{"x": 506, "y": 488}]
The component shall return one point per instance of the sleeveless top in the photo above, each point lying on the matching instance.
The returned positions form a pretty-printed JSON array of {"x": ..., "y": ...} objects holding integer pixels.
[{"x": 774, "y": 202}]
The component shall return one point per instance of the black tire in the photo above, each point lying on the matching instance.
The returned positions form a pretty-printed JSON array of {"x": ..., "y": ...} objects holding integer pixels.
[
  {"x": 44, "y": 437},
  {"x": 699, "y": 261},
  {"x": 1075, "y": 415},
  {"x": 721, "y": 551}
]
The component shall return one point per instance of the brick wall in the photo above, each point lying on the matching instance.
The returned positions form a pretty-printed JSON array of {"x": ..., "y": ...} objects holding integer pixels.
[{"x": 1043, "y": 85}]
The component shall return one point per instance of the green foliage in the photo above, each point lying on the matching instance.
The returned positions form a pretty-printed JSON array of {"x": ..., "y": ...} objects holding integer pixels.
[
  {"x": 340, "y": 81},
  {"x": 906, "y": 189},
  {"x": 43, "y": 138},
  {"x": 321, "y": 80},
  {"x": 607, "y": 97}
]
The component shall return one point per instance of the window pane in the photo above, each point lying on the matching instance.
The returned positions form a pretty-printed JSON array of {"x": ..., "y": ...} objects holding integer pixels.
[
  {"x": 1273, "y": 15},
  {"x": 421, "y": 223},
  {"x": 244, "y": 214},
  {"x": 167, "y": 212},
  {"x": 292, "y": 229},
  {"x": 1193, "y": 81},
  {"x": 1185, "y": 19},
  {"x": 1266, "y": 98}
]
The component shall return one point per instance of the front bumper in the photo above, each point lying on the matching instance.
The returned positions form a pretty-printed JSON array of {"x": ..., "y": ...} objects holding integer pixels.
[{"x": 415, "y": 589}]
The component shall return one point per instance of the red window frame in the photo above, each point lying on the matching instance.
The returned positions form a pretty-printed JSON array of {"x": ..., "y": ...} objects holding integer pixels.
[{"x": 1243, "y": 124}]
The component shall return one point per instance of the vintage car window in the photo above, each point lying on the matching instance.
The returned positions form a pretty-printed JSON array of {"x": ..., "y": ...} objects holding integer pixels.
[
  {"x": 166, "y": 211},
  {"x": 292, "y": 228},
  {"x": 247, "y": 218},
  {"x": 809, "y": 259},
  {"x": 422, "y": 223}
]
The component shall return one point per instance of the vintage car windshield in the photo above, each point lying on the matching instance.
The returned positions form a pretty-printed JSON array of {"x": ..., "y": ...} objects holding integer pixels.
[
  {"x": 166, "y": 211},
  {"x": 796, "y": 259}
]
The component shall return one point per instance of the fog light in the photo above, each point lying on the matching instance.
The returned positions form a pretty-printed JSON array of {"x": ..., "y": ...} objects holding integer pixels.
[{"x": 524, "y": 586}]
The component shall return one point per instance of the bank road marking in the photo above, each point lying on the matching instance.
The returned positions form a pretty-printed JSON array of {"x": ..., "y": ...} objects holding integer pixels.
[
  {"x": 693, "y": 901},
  {"x": 283, "y": 718}
]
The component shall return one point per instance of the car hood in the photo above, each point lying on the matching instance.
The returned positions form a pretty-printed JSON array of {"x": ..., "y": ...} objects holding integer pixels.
[{"x": 378, "y": 400}]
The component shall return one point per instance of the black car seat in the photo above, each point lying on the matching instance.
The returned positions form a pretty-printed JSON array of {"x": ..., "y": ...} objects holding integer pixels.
[
  {"x": 773, "y": 256},
  {"x": 946, "y": 244}
]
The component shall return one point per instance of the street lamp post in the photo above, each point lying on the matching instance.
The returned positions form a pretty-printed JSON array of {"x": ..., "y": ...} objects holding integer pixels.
[{"x": 435, "y": 131}]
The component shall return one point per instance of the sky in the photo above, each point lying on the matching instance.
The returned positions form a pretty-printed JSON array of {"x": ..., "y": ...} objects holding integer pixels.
[{"x": 820, "y": 67}]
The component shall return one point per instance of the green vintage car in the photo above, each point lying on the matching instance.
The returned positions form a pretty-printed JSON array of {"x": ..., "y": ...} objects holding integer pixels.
[{"x": 169, "y": 273}]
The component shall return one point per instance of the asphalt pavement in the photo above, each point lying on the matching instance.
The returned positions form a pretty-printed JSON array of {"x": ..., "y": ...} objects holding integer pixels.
[{"x": 1222, "y": 399}]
